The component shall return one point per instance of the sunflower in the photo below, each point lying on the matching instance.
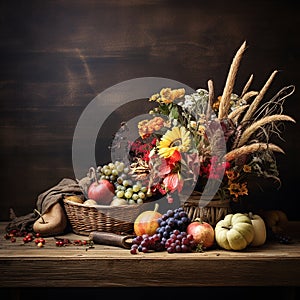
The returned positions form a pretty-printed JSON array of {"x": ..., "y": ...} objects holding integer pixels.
[{"x": 176, "y": 139}]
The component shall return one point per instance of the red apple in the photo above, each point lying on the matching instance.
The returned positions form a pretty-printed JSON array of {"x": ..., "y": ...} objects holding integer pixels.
[
  {"x": 101, "y": 191},
  {"x": 202, "y": 232}
]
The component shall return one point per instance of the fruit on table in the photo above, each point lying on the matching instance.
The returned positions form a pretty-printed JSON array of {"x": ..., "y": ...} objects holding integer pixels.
[
  {"x": 170, "y": 235},
  {"x": 52, "y": 222},
  {"x": 276, "y": 220},
  {"x": 147, "y": 222},
  {"x": 203, "y": 233},
  {"x": 234, "y": 232},
  {"x": 260, "y": 232}
]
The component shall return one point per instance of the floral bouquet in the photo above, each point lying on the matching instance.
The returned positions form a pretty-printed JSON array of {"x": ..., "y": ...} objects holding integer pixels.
[{"x": 206, "y": 146}]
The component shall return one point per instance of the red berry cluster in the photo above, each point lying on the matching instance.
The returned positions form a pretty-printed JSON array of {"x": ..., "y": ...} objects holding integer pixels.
[
  {"x": 12, "y": 235},
  {"x": 40, "y": 241},
  {"x": 67, "y": 242}
]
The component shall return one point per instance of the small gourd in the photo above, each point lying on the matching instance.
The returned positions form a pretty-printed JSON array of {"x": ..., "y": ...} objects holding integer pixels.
[
  {"x": 234, "y": 232},
  {"x": 260, "y": 231}
]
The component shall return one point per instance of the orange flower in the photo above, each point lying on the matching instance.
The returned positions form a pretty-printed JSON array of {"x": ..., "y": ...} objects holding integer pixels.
[
  {"x": 232, "y": 175},
  {"x": 237, "y": 189},
  {"x": 247, "y": 168}
]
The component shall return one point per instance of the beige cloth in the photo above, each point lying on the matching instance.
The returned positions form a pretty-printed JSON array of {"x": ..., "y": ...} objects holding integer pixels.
[{"x": 66, "y": 187}]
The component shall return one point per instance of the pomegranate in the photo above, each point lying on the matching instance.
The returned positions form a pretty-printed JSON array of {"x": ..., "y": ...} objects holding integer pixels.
[{"x": 202, "y": 232}]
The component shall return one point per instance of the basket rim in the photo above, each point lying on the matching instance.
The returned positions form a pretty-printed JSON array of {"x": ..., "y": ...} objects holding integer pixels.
[{"x": 99, "y": 206}]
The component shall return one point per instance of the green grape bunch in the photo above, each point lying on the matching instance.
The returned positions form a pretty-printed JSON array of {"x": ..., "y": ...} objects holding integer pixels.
[{"x": 133, "y": 191}]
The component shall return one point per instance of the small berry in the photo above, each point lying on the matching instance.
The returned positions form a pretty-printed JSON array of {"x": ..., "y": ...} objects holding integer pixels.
[
  {"x": 40, "y": 245},
  {"x": 133, "y": 250},
  {"x": 59, "y": 243},
  {"x": 41, "y": 240}
]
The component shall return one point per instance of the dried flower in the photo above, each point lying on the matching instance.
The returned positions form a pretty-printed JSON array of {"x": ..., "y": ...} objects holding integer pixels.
[{"x": 200, "y": 138}]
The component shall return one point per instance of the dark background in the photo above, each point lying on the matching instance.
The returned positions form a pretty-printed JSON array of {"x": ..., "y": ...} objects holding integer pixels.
[{"x": 56, "y": 56}]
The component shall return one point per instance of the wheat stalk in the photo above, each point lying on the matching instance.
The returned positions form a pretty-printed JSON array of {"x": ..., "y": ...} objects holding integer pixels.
[
  {"x": 256, "y": 125},
  {"x": 248, "y": 95},
  {"x": 225, "y": 98},
  {"x": 246, "y": 87},
  {"x": 236, "y": 113},
  {"x": 258, "y": 98},
  {"x": 211, "y": 95},
  {"x": 237, "y": 152}
]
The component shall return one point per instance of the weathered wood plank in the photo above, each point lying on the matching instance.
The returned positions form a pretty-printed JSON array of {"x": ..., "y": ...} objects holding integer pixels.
[
  {"x": 124, "y": 273},
  {"x": 25, "y": 265}
]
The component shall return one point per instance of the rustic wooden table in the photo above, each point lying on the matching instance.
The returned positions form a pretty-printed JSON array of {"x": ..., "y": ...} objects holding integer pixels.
[{"x": 26, "y": 265}]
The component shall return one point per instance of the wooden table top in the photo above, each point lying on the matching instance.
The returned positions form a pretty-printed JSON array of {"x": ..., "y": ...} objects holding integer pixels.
[{"x": 26, "y": 265}]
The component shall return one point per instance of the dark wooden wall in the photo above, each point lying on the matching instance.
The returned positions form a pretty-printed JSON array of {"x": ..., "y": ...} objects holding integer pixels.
[{"x": 56, "y": 56}]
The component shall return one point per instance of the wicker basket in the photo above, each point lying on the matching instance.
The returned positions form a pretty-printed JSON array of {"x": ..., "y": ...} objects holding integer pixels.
[
  {"x": 215, "y": 209},
  {"x": 116, "y": 219}
]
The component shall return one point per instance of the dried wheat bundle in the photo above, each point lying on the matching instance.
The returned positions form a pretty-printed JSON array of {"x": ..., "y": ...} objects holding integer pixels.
[
  {"x": 252, "y": 118},
  {"x": 247, "y": 149},
  {"x": 228, "y": 89},
  {"x": 260, "y": 123}
]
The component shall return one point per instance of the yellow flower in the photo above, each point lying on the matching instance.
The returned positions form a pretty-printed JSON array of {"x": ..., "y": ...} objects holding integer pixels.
[
  {"x": 175, "y": 139},
  {"x": 167, "y": 95},
  {"x": 154, "y": 97},
  {"x": 201, "y": 130},
  {"x": 193, "y": 124}
]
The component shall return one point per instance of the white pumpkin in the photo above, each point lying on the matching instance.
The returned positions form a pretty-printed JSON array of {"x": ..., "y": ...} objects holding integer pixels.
[
  {"x": 234, "y": 232},
  {"x": 260, "y": 231}
]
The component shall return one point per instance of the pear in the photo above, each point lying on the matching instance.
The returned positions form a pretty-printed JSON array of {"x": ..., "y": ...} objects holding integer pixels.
[{"x": 52, "y": 222}]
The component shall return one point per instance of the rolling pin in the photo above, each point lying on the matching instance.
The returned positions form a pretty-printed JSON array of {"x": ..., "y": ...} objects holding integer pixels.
[{"x": 111, "y": 239}]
